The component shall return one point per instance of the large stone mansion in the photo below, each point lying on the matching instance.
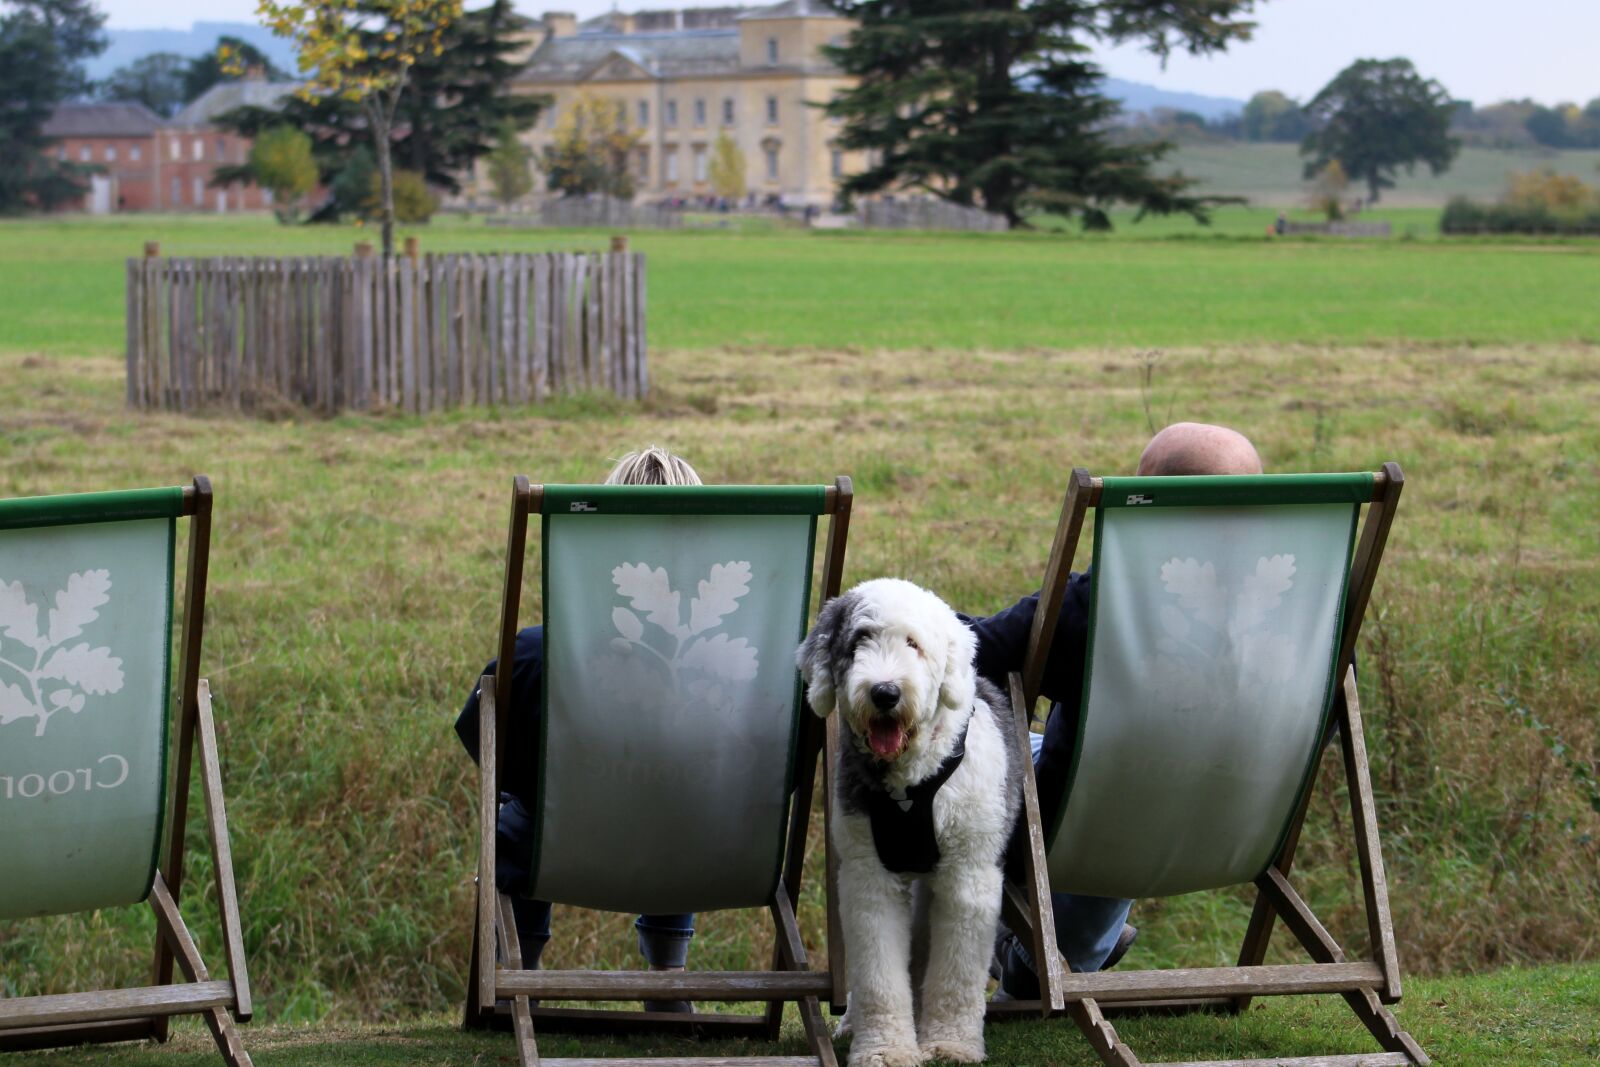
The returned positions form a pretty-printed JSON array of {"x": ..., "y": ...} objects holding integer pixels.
[{"x": 685, "y": 77}]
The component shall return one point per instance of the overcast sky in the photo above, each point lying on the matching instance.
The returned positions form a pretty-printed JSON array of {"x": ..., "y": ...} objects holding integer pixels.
[{"x": 1481, "y": 50}]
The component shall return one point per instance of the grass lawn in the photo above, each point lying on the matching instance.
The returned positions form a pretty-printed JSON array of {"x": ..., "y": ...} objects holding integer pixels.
[
  {"x": 61, "y": 284},
  {"x": 1513, "y": 1018},
  {"x": 1269, "y": 174},
  {"x": 356, "y": 565}
]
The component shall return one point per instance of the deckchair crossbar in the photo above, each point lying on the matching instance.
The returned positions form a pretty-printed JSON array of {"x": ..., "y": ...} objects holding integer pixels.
[
  {"x": 115, "y": 1004},
  {"x": 664, "y": 985},
  {"x": 1360, "y": 1059},
  {"x": 1284, "y": 979},
  {"x": 680, "y": 1061}
]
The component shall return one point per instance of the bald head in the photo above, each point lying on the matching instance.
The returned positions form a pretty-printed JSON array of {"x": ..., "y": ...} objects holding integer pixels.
[{"x": 1199, "y": 448}]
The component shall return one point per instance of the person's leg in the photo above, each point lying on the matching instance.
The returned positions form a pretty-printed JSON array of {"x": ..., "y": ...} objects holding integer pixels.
[
  {"x": 664, "y": 940},
  {"x": 664, "y": 944},
  {"x": 1088, "y": 931},
  {"x": 1087, "y": 928},
  {"x": 532, "y": 919},
  {"x": 513, "y": 847}
]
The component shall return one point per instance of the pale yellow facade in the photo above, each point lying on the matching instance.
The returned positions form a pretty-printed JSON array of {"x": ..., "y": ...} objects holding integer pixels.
[{"x": 750, "y": 74}]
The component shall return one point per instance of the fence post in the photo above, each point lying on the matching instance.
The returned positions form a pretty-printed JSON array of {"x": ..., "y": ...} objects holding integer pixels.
[
  {"x": 619, "y": 243},
  {"x": 411, "y": 249}
]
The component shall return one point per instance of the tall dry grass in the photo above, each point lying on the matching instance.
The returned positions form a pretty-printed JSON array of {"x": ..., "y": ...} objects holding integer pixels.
[{"x": 354, "y": 596}]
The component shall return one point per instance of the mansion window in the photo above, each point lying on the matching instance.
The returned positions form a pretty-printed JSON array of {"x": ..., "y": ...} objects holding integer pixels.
[
  {"x": 772, "y": 50},
  {"x": 772, "y": 111},
  {"x": 175, "y": 151},
  {"x": 700, "y": 171},
  {"x": 644, "y": 112},
  {"x": 700, "y": 112},
  {"x": 199, "y": 148},
  {"x": 772, "y": 163},
  {"x": 111, "y": 153},
  {"x": 643, "y": 157},
  {"x": 83, "y": 154},
  {"x": 177, "y": 192},
  {"x": 669, "y": 157},
  {"x": 836, "y": 166},
  {"x": 135, "y": 153},
  {"x": 727, "y": 111},
  {"x": 672, "y": 112}
]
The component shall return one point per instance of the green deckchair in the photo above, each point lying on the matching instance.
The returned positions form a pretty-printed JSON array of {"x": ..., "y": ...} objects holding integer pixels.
[
  {"x": 677, "y": 762},
  {"x": 1223, "y": 621},
  {"x": 86, "y": 790}
]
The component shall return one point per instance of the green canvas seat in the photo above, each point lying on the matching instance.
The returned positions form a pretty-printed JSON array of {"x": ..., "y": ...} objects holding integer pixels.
[
  {"x": 88, "y": 793},
  {"x": 676, "y": 760},
  {"x": 1222, "y": 624}
]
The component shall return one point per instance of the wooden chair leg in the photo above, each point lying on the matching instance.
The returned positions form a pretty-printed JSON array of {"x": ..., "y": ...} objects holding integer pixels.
[
  {"x": 177, "y": 938},
  {"x": 521, "y": 1009},
  {"x": 790, "y": 954},
  {"x": 1046, "y": 956},
  {"x": 1101, "y": 1034},
  {"x": 473, "y": 1017}
]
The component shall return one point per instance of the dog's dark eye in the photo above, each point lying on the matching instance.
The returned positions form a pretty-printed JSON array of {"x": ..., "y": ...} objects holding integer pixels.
[{"x": 912, "y": 641}]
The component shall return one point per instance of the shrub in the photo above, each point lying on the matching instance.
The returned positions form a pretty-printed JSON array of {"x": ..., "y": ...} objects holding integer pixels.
[
  {"x": 1539, "y": 202},
  {"x": 413, "y": 200},
  {"x": 280, "y": 160}
]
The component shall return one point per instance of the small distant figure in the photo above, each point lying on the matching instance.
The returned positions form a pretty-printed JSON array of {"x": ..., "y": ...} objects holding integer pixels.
[{"x": 1281, "y": 225}]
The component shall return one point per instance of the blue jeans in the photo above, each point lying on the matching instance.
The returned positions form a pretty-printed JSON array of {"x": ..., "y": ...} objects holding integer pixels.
[
  {"x": 1086, "y": 927},
  {"x": 663, "y": 939}
]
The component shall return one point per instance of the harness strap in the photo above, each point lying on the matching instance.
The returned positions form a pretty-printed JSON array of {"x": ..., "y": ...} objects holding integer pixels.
[{"x": 902, "y": 826}]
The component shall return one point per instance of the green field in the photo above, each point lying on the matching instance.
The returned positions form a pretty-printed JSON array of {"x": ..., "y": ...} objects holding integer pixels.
[
  {"x": 356, "y": 565},
  {"x": 908, "y": 291},
  {"x": 1545, "y": 1017},
  {"x": 1269, "y": 174}
]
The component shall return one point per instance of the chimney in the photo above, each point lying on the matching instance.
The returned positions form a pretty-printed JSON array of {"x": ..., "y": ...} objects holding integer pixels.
[{"x": 560, "y": 23}]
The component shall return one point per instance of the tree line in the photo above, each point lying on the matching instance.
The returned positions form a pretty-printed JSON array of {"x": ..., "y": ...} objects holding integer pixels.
[{"x": 993, "y": 106}]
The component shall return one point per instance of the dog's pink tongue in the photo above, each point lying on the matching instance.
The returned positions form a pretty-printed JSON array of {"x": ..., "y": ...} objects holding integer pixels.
[{"x": 886, "y": 738}]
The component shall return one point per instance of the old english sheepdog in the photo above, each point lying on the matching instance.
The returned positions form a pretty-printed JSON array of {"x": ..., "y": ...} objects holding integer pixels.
[{"x": 925, "y": 795}]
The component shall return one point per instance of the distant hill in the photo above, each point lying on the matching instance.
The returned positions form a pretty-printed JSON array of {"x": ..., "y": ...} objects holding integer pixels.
[
  {"x": 128, "y": 45},
  {"x": 1136, "y": 96}
]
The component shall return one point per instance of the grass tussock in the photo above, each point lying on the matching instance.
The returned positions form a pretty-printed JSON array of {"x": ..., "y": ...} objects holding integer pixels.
[{"x": 356, "y": 565}]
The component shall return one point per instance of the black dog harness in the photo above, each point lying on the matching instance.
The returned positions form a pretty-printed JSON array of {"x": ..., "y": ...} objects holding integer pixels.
[{"x": 902, "y": 827}]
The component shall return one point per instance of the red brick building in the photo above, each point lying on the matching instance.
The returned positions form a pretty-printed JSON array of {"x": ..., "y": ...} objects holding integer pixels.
[
  {"x": 121, "y": 140},
  {"x": 151, "y": 165}
]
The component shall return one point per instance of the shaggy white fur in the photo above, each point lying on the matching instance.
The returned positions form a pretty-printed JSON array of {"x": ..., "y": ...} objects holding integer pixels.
[{"x": 917, "y": 946}]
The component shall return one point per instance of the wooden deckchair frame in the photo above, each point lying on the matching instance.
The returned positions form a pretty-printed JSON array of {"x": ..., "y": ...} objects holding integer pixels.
[
  {"x": 1368, "y": 986},
  {"x": 789, "y": 979},
  {"x": 136, "y": 1014}
]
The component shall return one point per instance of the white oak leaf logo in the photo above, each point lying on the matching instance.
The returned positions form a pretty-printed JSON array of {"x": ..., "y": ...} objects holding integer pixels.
[
  {"x": 697, "y": 666},
  {"x": 725, "y": 657},
  {"x": 86, "y": 670},
  {"x": 94, "y": 670},
  {"x": 19, "y": 618},
  {"x": 651, "y": 592},
  {"x": 1196, "y": 588},
  {"x": 719, "y": 595},
  {"x": 78, "y": 604},
  {"x": 15, "y": 704}
]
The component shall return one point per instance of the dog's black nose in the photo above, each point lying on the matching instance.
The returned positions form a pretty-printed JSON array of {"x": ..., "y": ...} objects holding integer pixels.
[{"x": 885, "y": 695}]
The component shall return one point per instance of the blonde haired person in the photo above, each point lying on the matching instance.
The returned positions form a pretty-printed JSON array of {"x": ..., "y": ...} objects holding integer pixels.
[{"x": 663, "y": 939}]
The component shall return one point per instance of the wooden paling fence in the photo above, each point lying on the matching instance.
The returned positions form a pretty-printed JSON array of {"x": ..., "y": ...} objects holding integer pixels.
[
  {"x": 1338, "y": 229},
  {"x": 417, "y": 334},
  {"x": 927, "y": 215},
  {"x": 594, "y": 211}
]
